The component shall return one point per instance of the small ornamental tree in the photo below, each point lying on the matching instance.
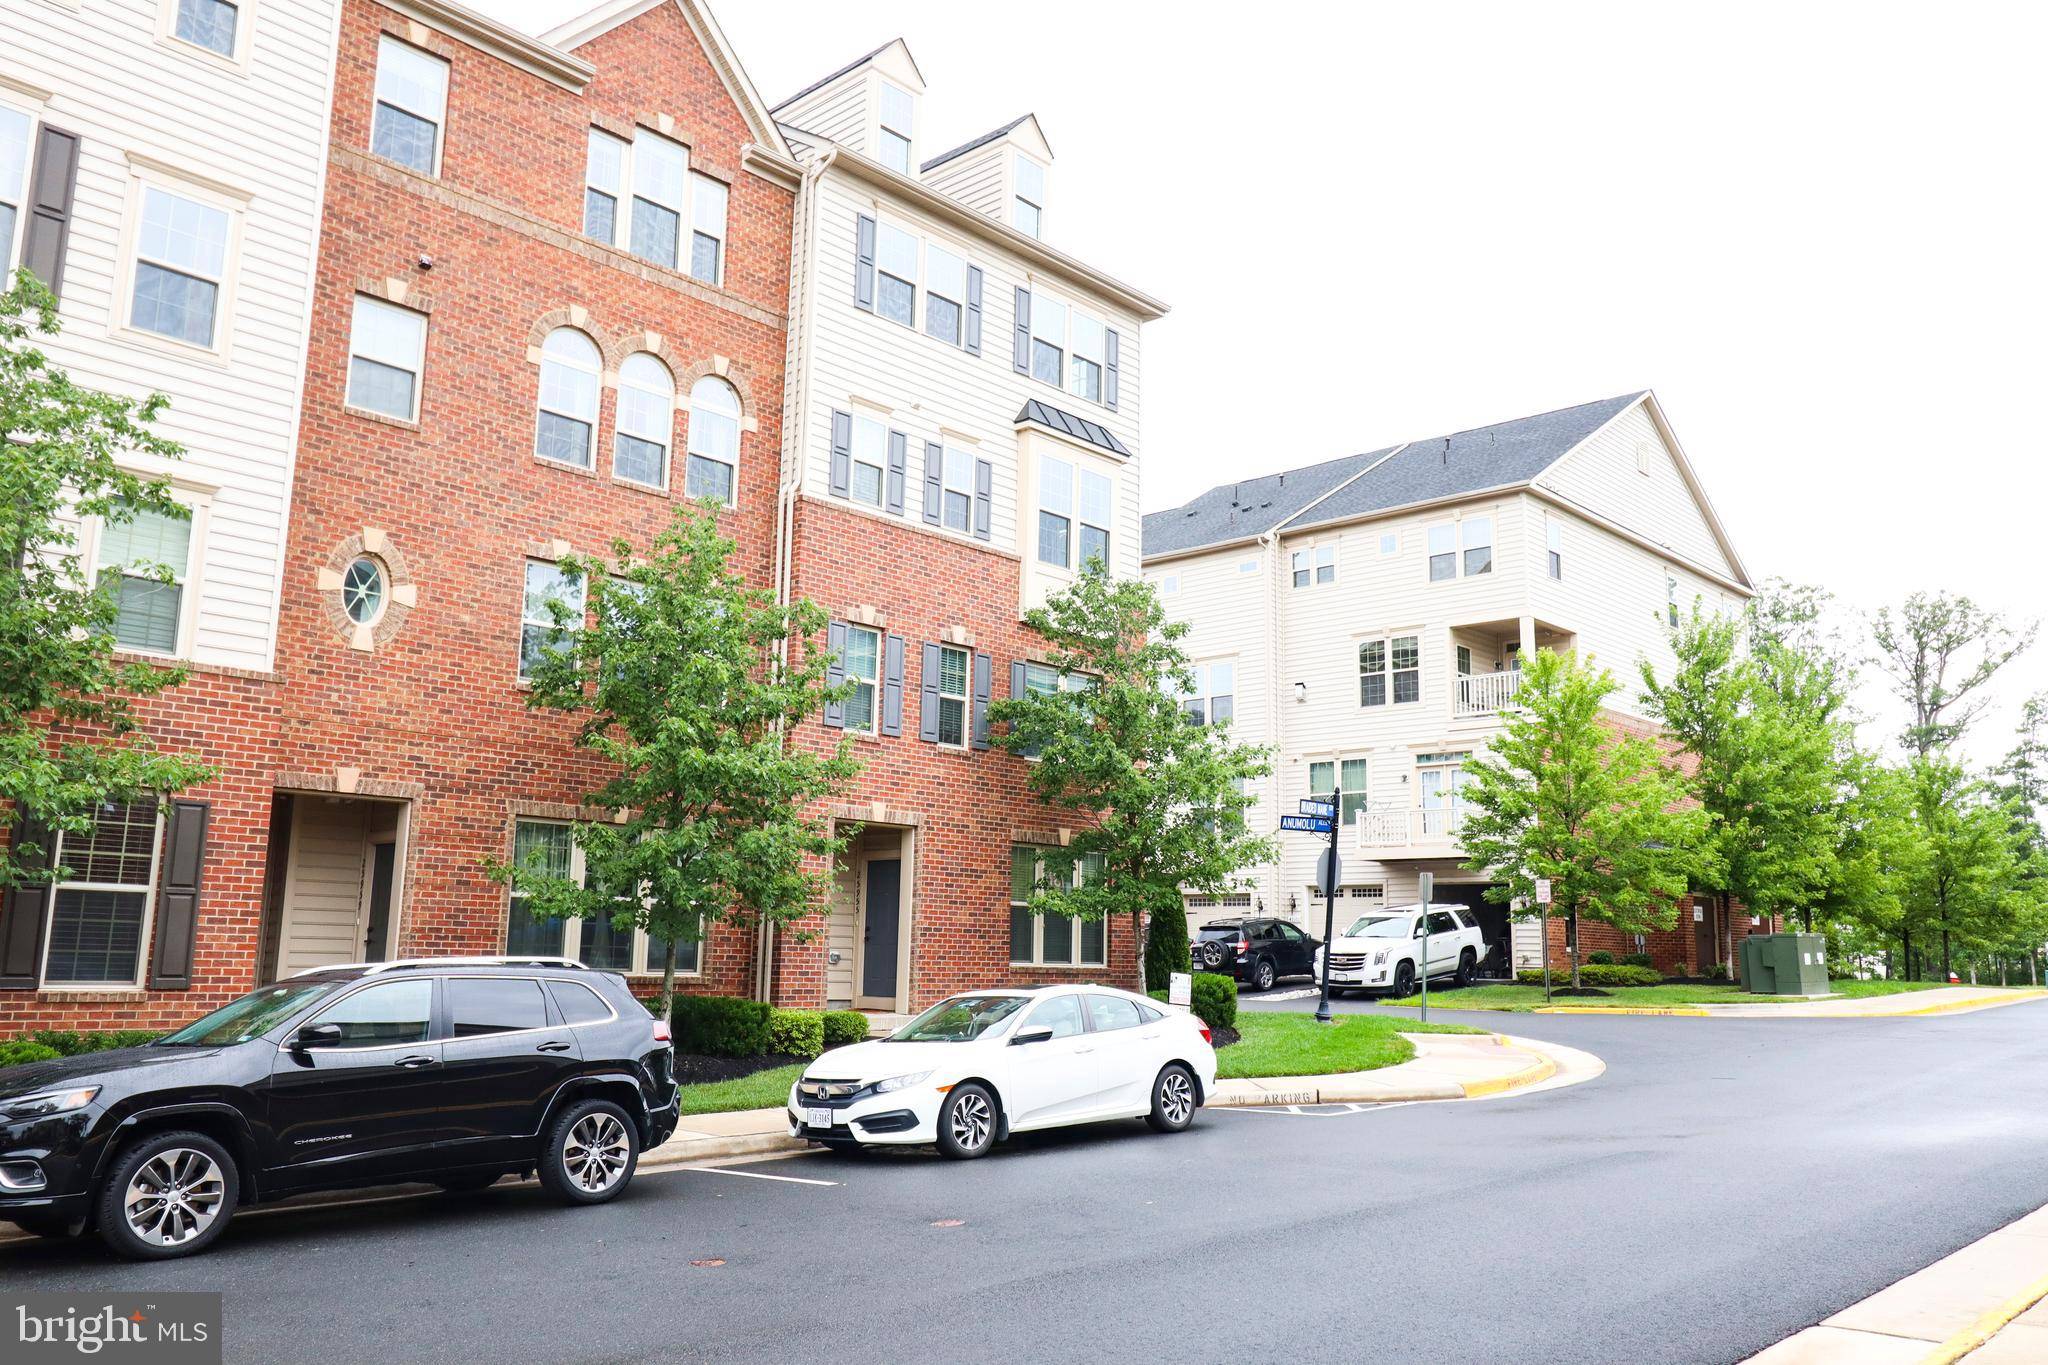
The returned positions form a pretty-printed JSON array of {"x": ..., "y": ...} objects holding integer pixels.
[
  {"x": 69, "y": 739},
  {"x": 1562, "y": 794},
  {"x": 688, "y": 682},
  {"x": 1162, "y": 794}
]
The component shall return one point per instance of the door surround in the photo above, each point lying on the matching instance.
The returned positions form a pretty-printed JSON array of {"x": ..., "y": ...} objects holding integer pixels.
[{"x": 903, "y": 851}]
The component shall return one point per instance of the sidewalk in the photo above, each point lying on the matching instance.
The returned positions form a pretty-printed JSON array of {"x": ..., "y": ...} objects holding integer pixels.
[
  {"x": 1986, "y": 1304},
  {"x": 1944, "y": 1000},
  {"x": 1447, "y": 1066}
]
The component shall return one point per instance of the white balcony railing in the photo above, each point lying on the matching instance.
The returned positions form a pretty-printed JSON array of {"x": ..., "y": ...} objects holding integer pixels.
[
  {"x": 1482, "y": 694},
  {"x": 1408, "y": 828}
]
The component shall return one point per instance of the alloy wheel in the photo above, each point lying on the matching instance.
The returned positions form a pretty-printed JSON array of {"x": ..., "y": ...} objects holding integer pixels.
[
  {"x": 595, "y": 1152},
  {"x": 174, "y": 1196},
  {"x": 971, "y": 1121},
  {"x": 1176, "y": 1097}
]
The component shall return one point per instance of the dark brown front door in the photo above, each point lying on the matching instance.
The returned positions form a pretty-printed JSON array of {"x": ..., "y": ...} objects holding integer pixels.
[{"x": 1706, "y": 943}]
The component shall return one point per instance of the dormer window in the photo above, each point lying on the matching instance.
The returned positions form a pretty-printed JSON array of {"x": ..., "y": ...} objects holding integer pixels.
[
  {"x": 896, "y": 129},
  {"x": 1029, "y": 200}
]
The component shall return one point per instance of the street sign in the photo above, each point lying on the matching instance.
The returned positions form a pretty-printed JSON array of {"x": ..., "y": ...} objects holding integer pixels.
[
  {"x": 1305, "y": 824},
  {"x": 1543, "y": 890},
  {"x": 1328, "y": 870},
  {"x": 1180, "y": 988},
  {"x": 1312, "y": 805}
]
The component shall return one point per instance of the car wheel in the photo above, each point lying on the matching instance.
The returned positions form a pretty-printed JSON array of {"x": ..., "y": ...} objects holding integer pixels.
[
  {"x": 468, "y": 1182},
  {"x": 1262, "y": 974},
  {"x": 169, "y": 1194},
  {"x": 1404, "y": 981},
  {"x": 591, "y": 1151},
  {"x": 967, "y": 1122},
  {"x": 1173, "y": 1099},
  {"x": 1210, "y": 955},
  {"x": 1466, "y": 966}
]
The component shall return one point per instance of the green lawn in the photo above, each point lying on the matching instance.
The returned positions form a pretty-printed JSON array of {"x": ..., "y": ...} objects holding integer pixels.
[
  {"x": 763, "y": 1090},
  {"x": 1522, "y": 999},
  {"x": 1274, "y": 1044}
]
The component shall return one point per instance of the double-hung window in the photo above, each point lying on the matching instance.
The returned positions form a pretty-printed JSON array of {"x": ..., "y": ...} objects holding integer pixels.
[
  {"x": 1472, "y": 535},
  {"x": 1084, "y": 377},
  {"x": 957, "y": 489},
  {"x": 1051, "y": 940},
  {"x": 714, "y": 441},
  {"x": 954, "y": 663},
  {"x": 181, "y": 265},
  {"x": 210, "y": 24},
  {"x": 707, "y": 229},
  {"x": 1323, "y": 780},
  {"x": 1443, "y": 552},
  {"x": 145, "y": 560},
  {"x": 945, "y": 295},
  {"x": 898, "y": 112},
  {"x": 604, "y": 184},
  {"x": 661, "y": 172},
  {"x": 1554, "y": 531},
  {"x": 16, "y": 135},
  {"x": 571, "y": 373},
  {"x": 1055, "y": 511},
  {"x": 386, "y": 349},
  {"x": 412, "y": 105},
  {"x": 1098, "y": 505},
  {"x": 548, "y": 848},
  {"x": 1317, "y": 564},
  {"x": 870, "y": 461},
  {"x": 1671, "y": 601},
  {"x": 539, "y": 633},
  {"x": 99, "y": 912},
  {"x": 1048, "y": 339},
  {"x": 1028, "y": 212},
  {"x": 1476, "y": 534},
  {"x": 863, "y": 665},
  {"x": 1390, "y": 669},
  {"x": 1214, "y": 699},
  {"x": 896, "y": 274},
  {"x": 647, "y": 416}
]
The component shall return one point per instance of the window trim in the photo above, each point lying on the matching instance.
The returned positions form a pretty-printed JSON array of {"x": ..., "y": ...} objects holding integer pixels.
[
  {"x": 440, "y": 124},
  {"x": 572, "y": 927},
  {"x": 1387, "y": 671},
  {"x": 198, "y": 502},
  {"x": 148, "y": 927},
  {"x": 144, "y": 174},
  {"x": 690, "y": 451},
  {"x": 1019, "y": 198},
  {"x": 965, "y": 696},
  {"x": 667, "y": 439},
  {"x": 1347, "y": 812},
  {"x": 882, "y": 126},
  {"x": 883, "y": 227},
  {"x": 419, "y": 365},
  {"x": 1204, "y": 693},
  {"x": 519, "y": 642},
  {"x": 1065, "y": 344},
  {"x": 1553, "y": 536},
  {"x": 698, "y": 181},
  {"x": 874, "y": 726},
  {"x": 237, "y": 61},
  {"x": 854, "y": 461},
  {"x": 541, "y": 409},
  {"x": 32, "y": 110},
  {"x": 1306, "y": 566},
  {"x": 1038, "y": 959}
]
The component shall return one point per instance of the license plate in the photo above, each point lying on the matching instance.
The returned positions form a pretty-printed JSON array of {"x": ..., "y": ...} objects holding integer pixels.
[{"x": 818, "y": 1118}]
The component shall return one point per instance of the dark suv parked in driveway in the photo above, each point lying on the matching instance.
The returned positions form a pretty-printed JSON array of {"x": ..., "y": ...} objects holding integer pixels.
[
  {"x": 453, "y": 1071},
  {"x": 1256, "y": 951}
]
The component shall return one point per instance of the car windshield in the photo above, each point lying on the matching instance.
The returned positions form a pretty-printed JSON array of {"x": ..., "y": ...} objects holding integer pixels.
[
  {"x": 251, "y": 1016},
  {"x": 1381, "y": 926},
  {"x": 961, "y": 1019}
]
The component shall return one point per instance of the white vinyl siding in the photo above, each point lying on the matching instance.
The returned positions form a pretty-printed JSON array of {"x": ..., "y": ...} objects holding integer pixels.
[{"x": 1601, "y": 476}]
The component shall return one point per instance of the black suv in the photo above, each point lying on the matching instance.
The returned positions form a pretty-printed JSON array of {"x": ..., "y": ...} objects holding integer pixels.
[
  {"x": 453, "y": 1071},
  {"x": 1257, "y": 951}
]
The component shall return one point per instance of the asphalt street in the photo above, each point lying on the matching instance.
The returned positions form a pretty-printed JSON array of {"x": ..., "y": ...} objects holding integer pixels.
[{"x": 1724, "y": 1184}]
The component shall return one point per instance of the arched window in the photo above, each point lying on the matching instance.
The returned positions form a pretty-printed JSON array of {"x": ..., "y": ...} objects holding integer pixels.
[
  {"x": 714, "y": 440},
  {"x": 570, "y": 371},
  {"x": 647, "y": 414}
]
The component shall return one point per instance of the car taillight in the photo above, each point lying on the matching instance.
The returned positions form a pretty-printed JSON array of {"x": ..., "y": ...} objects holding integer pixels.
[
  {"x": 1207, "y": 1036},
  {"x": 661, "y": 1031},
  {"x": 1243, "y": 944}
]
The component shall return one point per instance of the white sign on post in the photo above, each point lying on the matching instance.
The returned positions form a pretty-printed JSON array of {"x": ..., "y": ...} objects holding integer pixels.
[
  {"x": 1180, "y": 989},
  {"x": 1543, "y": 890}
]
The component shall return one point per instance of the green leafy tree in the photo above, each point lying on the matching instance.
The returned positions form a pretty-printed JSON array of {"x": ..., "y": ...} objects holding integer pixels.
[
  {"x": 2022, "y": 781},
  {"x": 1968, "y": 867},
  {"x": 1880, "y": 851},
  {"x": 1940, "y": 652},
  {"x": 1764, "y": 727},
  {"x": 1563, "y": 794},
  {"x": 1163, "y": 795},
  {"x": 686, "y": 683},
  {"x": 69, "y": 738}
]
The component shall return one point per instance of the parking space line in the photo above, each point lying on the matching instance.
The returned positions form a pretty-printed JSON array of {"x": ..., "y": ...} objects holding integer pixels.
[{"x": 760, "y": 1175}]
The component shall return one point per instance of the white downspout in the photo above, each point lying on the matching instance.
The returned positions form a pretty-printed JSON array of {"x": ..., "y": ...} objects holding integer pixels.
[{"x": 1274, "y": 710}]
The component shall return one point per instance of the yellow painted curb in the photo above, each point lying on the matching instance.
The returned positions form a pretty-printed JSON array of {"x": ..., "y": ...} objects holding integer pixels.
[
  {"x": 1978, "y": 1003},
  {"x": 1987, "y": 1326},
  {"x": 1623, "y": 1009},
  {"x": 1542, "y": 1071}
]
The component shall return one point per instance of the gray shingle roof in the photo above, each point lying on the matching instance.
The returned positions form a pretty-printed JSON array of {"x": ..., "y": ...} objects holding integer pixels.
[
  {"x": 827, "y": 79},
  {"x": 1252, "y": 507},
  {"x": 1501, "y": 455},
  {"x": 990, "y": 136},
  {"x": 1080, "y": 428}
]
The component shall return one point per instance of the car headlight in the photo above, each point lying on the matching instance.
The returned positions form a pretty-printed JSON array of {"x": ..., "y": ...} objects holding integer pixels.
[
  {"x": 1379, "y": 958},
  {"x": 47, "y": 1102},
  {"x": 900, "y": 1082}
]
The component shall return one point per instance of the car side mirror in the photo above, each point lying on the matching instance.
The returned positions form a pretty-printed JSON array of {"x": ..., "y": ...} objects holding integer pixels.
[
  {"x": 1043, "y": 1033},
  {"x": 317, "y": 1035}
]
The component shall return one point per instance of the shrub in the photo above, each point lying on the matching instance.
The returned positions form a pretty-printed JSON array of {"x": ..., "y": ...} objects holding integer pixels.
[
  {"x": 845, "y": 1026},
  {"x": 1595, "y": 974},
  {"x": 1637, "y": 960},
  {"x": 720, "y": 1025},
  {"x": 20, "y": 1052},
  {"x": 1681, "y": 969},
  {"x": 796, "y": 1033},
  {"x": 1600, "y": 957},
  {"x": 1214, "y": 998},
  {"x": 65, "y": 1043},
  {"x": 1718, "y": 972}
]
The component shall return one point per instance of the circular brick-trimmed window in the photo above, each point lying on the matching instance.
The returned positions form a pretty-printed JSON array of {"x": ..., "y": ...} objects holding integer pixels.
[
  {"x": 367, "y": 589},
  {"x": 364, "y": 591}
]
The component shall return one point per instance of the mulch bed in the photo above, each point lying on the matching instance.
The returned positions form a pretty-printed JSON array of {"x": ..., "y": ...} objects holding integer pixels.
[
  {"x": 695, "y": 1068},
  {"x": 1581, "y": 991},
  {"x": 1222, "y": 1035}
]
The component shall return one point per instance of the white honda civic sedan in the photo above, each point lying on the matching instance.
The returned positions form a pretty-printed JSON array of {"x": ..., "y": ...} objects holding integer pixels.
[{"x": 979, "y": 1066}]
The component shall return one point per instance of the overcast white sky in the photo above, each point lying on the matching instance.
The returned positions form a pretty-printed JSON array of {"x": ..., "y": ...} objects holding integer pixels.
[{"x": 1816, "y": 231}]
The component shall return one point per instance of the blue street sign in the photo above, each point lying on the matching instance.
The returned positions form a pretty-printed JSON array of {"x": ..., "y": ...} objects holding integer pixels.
[
  {"x": 1323, "y": 810},
  {"x": 1305, "y": 824}
]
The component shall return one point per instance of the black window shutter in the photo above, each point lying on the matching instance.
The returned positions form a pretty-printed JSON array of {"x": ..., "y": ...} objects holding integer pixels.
[
  {"x": 928, "y": 697},
  {"x": 971, "y": 334},
  {"x": 899, "y": 462},
  {"x": 177, "y": 906},
  {"x": 934, "y": 481},
  {"x": 982, "y": 679},
  {"x": 984, "y": 499},
  {"x": 1109, "y": 367},
  {"x": 1016, "y": 679},
  {"x": 864, "y": 263},
  {"x": 50, "y": 189},
  {"x": 835, "y": 672},
  {"x": 1020, "y": 360},
  {"x": 24, "y": 913},
  {"x": 842, "y": 454},
  {"x": 892, "y": 685}
]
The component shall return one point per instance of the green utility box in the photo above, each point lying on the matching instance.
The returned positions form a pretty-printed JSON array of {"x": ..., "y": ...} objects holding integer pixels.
[{"x": 1785, "y": 964}]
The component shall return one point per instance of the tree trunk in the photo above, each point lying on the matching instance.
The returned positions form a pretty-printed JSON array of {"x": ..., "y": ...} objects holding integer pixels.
[
  {"x": 1141, "y": 939},
  {"x": 1946, "y": 969},
  {"x": 668, "y": 979},
  {"x": 1906, "y": 952},
  {"x": 2001, "y": 970},
  {"x": 1572, "y": 932}
]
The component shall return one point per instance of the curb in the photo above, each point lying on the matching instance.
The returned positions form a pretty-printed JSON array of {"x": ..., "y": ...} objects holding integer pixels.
[
  {"x": 712, "y": 1149},
  {"x": 1988, "y": 1002},
  {"x": 1987, "y": 1326},
  {"x": 1674, "y": 1011},
  {"x": 1354, "y": 1088}
]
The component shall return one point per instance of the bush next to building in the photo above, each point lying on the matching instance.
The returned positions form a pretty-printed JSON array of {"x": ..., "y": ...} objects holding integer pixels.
[
  {"x": 720, "y": 1025},
  {"x": 20, "y": 1052},
  {"x": 845, "y": 1026},
  {"x": 1597, "y": 974},
  {"x": 796, "y": 1033},
  {"x": 1214, "y": 999}
]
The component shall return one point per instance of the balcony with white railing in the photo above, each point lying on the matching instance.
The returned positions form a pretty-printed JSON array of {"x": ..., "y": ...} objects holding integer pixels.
[
  {"x": 1484, "y": 694},
  {"x": 1427, "y": 832}
]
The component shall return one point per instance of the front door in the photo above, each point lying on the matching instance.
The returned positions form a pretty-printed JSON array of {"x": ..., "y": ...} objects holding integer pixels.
[
  {"x": 1706, "y": 949},
  {"x": 881, "y": 928},
  {"x": 377, "y": 937}
]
